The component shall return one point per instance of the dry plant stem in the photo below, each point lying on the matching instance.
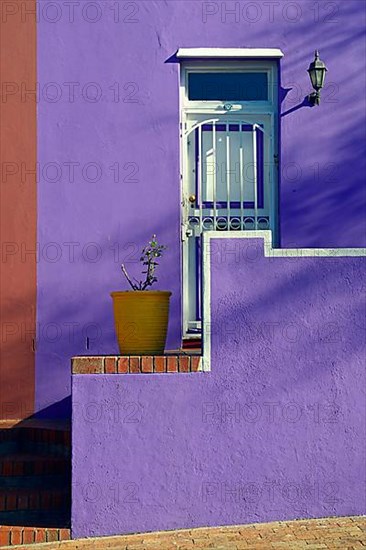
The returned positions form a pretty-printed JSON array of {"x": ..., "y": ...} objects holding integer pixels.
[
  {"x": 149, "y": 255},
  {"x": 134, "y": 287}
]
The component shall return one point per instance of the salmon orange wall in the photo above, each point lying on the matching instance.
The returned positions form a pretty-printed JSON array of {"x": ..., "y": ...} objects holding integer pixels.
[{"x": 18, "y": 207}]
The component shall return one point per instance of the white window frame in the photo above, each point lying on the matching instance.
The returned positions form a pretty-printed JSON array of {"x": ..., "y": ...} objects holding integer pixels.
[{"x": 238, "y": 66}]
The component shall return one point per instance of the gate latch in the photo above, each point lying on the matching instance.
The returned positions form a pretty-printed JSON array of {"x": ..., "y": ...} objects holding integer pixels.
[{"x": 185, "y": 232}]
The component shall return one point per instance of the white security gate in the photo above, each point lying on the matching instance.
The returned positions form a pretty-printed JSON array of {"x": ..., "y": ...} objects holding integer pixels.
[{"x": 228, "y": 170}]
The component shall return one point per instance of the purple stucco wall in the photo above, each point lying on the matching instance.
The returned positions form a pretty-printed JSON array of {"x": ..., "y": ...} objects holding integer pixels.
[
  {"x": 273, "y": 432},
  {"x": 85, "y": 228}
]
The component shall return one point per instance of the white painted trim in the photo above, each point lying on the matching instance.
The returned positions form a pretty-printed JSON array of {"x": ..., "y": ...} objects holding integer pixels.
[
  {"x": 242, "y": 53},
  {"x": 269, "y": 252},
  {"x": 206, "y": 302},
  {"x": 285, "y": 252}
]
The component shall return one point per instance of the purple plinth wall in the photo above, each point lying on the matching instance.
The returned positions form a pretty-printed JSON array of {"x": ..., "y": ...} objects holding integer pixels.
[
  {"x": 273, "y": 432},
  {"x": 109, "y": 97}
]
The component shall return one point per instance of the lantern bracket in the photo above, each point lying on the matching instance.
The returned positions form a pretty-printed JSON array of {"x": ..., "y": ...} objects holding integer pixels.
[{"x": 314, "y": 98}]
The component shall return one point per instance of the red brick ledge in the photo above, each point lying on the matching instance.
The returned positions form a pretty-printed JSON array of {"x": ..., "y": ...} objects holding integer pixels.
[
  {"x": 137, "y": 364},
  {"x": 10, "y": 536}
]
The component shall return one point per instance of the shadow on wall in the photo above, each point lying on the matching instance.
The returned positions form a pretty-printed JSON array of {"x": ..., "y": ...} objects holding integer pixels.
[
  {"x": 59, "y": 410},
  {"x": 323, "y": 199},
  {"x": 84, "y": 325},
  {"x": 308, "y": 291},
  {"x": 322, "y": 158},
  {"x": 305, "y": 103},
  {"x": 17, "y": 340}
]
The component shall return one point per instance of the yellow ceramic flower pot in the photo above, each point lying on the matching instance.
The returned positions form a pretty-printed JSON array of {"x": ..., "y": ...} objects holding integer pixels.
[{"x": 141, "y": 321}]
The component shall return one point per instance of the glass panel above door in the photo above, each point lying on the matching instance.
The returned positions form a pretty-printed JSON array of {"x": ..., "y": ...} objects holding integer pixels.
[{"x": 226, "y": 86}]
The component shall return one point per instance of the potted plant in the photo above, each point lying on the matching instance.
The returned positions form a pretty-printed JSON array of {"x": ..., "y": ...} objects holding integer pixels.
[{"x": 141, "y": 315}]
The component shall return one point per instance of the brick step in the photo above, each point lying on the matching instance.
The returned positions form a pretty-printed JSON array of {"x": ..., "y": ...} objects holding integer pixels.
[
  {"x": 18, "y": 464},
  {"x": 47, "y": 481},
  {"x": 55, "y": 519},
  {"x": 12, "y": 499},
  {"x": 8, "y": 447},
  {"x": 12, "y": 447},
  {"x": 192, "y": 344},
  {"x": 11, "y": 535},
  {"x": 37, "y": 435},
  {"x": 35, "y": 440},
  {"x": 46, "y": 449}
]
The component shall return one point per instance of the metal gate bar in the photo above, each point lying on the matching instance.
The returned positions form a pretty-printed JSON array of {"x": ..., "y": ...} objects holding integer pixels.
[
  {"x": 214, "y": 176},
  {"x": 241, "y": 171},
  {"x": 213, "y": 218},
  {"x": 228, "y": 174},
  {"x": 255, "y": 175},
  {"x": 221, "y": 199},
  {"x": 199, "y": 174}
]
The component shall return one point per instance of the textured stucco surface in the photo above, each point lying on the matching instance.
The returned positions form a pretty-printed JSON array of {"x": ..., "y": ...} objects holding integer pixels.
[
  {"x": 322, "y": 196},
  {"x": 274, "y": 431},
  {"x": 18, "y": 210}
]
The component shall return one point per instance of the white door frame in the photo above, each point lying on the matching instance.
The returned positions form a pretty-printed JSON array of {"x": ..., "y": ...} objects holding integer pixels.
[{"x": 245, "y": 111}]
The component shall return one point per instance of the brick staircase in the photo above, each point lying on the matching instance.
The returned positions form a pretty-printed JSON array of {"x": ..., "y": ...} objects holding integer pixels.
[{"x": 35, "y": 483}]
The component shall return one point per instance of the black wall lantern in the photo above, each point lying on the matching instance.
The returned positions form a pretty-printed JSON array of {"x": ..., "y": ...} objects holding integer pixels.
[{"x": 316, "y": 72}]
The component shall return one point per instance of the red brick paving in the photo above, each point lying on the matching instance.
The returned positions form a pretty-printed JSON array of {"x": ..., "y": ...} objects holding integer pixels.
[{"x": 343, "y": 533}]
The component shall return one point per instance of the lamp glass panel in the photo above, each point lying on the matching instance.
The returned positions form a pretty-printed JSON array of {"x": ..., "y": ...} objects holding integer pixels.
[
  {"x": 321, "y": 77},
  {"x": 317, "y": 78}
]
